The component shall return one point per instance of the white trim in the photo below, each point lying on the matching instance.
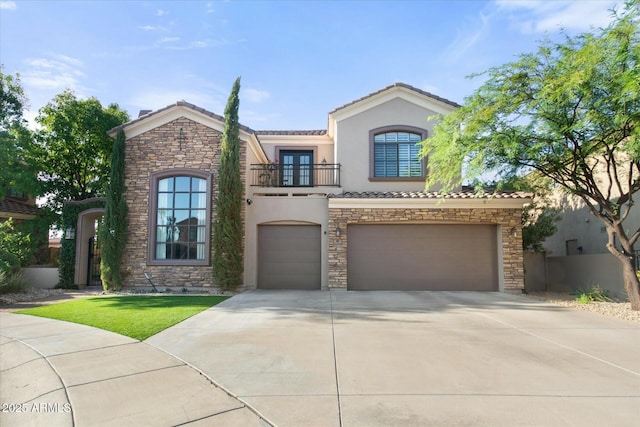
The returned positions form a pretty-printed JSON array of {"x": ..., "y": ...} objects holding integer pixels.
[
  {"x": 427, "y": 203},
  {"x": 408, "y": 95},
  {"x": 162, "y": 117},
  {"x": 175, "y": 112},
  {"x": 500, "y": 255},
  {"x": 257, "y": 149}
]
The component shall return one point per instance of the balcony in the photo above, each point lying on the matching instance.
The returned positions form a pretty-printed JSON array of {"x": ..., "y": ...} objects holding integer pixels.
[{"x": 275, "y": 175}]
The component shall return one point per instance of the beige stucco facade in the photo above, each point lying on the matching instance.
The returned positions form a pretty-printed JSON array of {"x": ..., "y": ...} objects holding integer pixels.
[{"x": 186, "y": 138}]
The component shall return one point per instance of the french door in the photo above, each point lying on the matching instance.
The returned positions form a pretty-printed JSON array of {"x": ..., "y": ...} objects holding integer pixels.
[{"x": 296, "y": 168}]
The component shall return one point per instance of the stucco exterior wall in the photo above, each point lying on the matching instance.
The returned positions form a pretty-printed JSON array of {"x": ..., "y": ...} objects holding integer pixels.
[
  {"x": 510, "y": 256},
  {"x": 352, "y": 143},
  {"x": 322, "y": 146},
  {"x": 577, "y": 223},
  {"x": 156, "y": 150},
  {"x": 582, "y": 272},
  {"x": 284, "y": 210}
]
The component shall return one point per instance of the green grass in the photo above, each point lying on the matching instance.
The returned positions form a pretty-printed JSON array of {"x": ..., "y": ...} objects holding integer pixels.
[{"x": 138, "y": 317}]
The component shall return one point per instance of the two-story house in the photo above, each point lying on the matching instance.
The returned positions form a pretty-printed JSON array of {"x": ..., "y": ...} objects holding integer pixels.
[{"x": 343, "y": 207}]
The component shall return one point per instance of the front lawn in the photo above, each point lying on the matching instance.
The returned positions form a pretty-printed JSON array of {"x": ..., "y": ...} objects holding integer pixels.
[{"x": 135, "y": 316}]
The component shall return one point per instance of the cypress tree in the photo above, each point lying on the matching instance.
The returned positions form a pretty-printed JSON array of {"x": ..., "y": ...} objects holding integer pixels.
[
  {"x": 227, "y": 234},
  {"x": 113, "y": 232}
]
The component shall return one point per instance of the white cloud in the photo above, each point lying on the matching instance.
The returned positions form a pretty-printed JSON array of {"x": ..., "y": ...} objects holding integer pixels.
[
  {"x": 194, "y": 44},
  {"x": 255, "y": 95},
  {"x": 8, "y": 5},
  {"x": 465, "y": 41},
  {"x": 537, "y": 16},
  {"x": 169, "y": 40},
  {"x": 161, "y": 12},
  {"x": 255, "y": 119},
  {"x": 151, "y": 28},
  {"x": 156, "y": 98},
  {"x": 198, "y": 44},
  {"x": 210, "y": 8},
  {"x": 56, "y": 72}
]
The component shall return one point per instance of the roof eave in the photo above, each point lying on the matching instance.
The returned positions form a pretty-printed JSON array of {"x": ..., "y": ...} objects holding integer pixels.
[{"x": 430, "y": 203}]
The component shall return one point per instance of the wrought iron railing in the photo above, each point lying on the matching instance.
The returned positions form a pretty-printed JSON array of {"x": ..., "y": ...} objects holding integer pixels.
[{"x": 279, "y": 175}]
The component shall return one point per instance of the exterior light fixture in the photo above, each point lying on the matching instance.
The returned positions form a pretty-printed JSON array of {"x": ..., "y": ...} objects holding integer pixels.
[
  {"x": 70, "y": 233},
  {"x": 338, "y": 231},
  {"x": 249, "y": 201},
  {"x": 513, "y": 232},
  {"x": 324, "y": 161}
]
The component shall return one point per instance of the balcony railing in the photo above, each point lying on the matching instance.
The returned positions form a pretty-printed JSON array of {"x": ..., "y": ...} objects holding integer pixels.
[{"x": 279, "y": 175}]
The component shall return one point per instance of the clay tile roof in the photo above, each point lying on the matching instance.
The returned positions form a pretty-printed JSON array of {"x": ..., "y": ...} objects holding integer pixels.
[
  {"x": 292, "y": 132},
  {"x": 404, "y": 85},
  {"x": 13, "y": 206},
  {"x": 430, "y": 195}
]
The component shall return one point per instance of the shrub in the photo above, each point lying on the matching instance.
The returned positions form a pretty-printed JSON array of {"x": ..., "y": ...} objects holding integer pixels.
[
  {"x": 15, "y": 248},
  {"x": 11, "y": 282},
  {"x": 592, "y": 294}
]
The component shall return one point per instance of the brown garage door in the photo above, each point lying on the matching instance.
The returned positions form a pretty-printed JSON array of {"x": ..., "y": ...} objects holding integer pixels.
[
  {"x": 422, "y": 257},
  {"x": 289, "y": 257}
]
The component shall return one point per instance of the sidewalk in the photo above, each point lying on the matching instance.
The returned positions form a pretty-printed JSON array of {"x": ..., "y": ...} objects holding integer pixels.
[{"x": 57, "y": 373}]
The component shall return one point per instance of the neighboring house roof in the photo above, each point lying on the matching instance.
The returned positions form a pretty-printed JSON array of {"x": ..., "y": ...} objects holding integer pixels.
[
  {"x": 10, "y": 207},
  {"x": 430, "y": 195},
  {"x": 403, "y": 85}
]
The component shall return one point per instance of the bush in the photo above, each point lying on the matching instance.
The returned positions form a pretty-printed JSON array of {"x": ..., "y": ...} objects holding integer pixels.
[
  {"x": 591, "y": 295},
  {"x": 15, "y": 248},
  {"x": 11, "y": 282}
]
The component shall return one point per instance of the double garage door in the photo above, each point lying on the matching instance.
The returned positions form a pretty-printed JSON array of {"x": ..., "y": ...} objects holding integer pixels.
[
  {"x": 407, "y": 257},
  {"x": 431, "y": 257}
]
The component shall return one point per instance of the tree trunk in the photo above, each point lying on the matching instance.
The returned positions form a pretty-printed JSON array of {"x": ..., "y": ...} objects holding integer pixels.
[
  {"x": 631, "y": 283},
  {"x": 626, "y": 257}
]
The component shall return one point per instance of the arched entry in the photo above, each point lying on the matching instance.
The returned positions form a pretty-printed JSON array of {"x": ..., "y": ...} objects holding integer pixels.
[{"x": 87, "y": 271}]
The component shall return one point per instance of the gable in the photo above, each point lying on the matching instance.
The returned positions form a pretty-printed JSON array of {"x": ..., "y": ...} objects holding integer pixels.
[
  {"x": 399, "y": 91},
  {"x": 184, "y": 110}
]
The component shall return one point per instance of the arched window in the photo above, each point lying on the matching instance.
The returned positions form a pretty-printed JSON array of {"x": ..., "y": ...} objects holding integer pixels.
[
  {"x": 179, "y": 226},
  {"x": 395, "y": 153}
]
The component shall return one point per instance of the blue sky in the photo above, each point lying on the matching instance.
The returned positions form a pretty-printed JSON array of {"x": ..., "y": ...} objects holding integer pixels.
[{"x": 298, "y": 59}]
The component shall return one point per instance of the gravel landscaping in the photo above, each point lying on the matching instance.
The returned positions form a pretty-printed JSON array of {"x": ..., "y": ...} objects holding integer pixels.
[{"x": 621, "y": 310}]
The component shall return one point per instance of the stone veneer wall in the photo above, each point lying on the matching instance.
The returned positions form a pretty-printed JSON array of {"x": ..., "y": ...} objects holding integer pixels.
[
  {"x": 156, "y": 150},
  {"x": 513, "y": 262}
]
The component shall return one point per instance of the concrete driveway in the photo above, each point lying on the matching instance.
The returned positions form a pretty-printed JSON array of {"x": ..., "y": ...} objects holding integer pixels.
[{"x": 307, "y": 358}]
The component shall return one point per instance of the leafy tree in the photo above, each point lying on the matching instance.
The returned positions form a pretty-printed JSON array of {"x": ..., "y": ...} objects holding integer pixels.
[
  {"x": 227, "y": 234},
  {"x": 15, "y": 250},
  {"x": 74, "y": 149},
  {"x": 113, "y": 233},
  {"x": 19, "y": 172},
  {"x": 570, "y": 111},
  {"x": 539, "y": 218}
]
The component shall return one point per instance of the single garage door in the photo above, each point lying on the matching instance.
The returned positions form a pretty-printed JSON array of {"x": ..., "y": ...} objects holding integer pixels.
[
  {"x": 422, "y": 257},
  {"x": 289, "y": 257}
]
